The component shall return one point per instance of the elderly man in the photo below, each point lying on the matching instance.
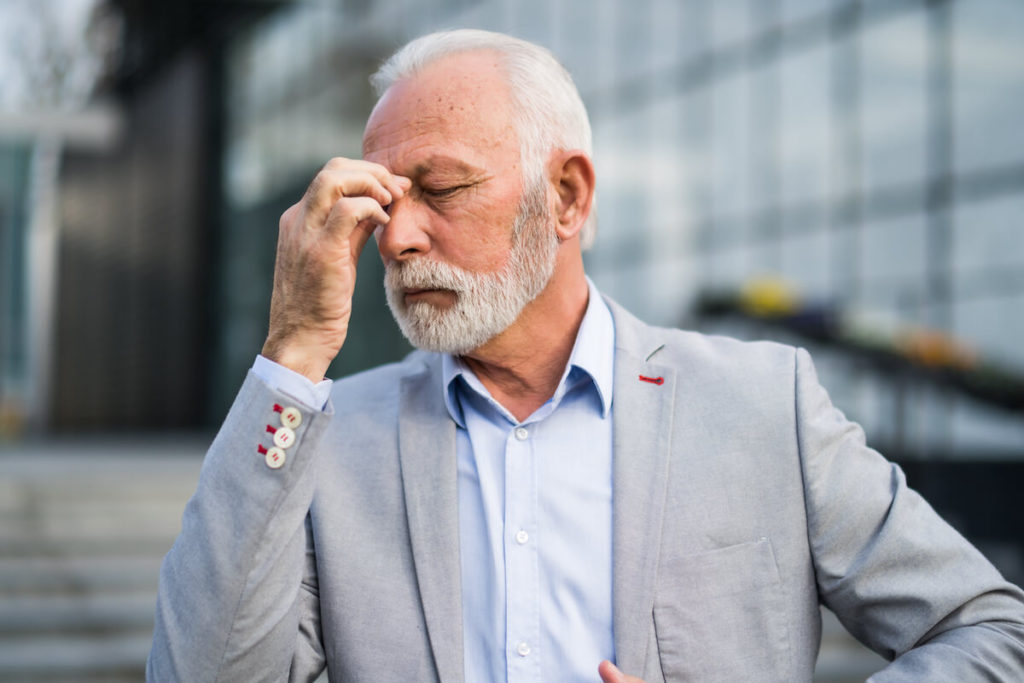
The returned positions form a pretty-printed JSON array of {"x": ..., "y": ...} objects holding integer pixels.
[{"x": 549, "y": 485}]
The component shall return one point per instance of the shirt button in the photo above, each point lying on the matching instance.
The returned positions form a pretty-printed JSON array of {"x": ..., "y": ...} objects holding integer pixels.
[
  {"x": 522, "y": 433},
  {"x": 523, "y": 648},
  {"x": 291, "y": 417},
  {"x": 275, "y": 458},
  {"x": 522, "y": 537},
  {"x": 284, "y": 437}
]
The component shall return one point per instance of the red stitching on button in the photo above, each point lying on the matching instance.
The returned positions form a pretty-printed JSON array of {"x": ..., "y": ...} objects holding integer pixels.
[
  {"x": 261, "y": 449},
  {"x": 653, "y": 380},
  {"x": 278, "y": 408}
]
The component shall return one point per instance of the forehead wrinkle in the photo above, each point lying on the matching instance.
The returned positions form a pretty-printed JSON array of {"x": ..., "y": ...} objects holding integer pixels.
[
  {"x": 443, "y": 163},
  {"x": 458, "y": 105}
]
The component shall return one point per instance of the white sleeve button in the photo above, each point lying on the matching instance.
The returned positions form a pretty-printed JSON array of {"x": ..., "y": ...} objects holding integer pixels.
[
  {"x": 275, "y": 458},
  {"x": 284, "y": 437},
  {"x": 291, "y": 417}
]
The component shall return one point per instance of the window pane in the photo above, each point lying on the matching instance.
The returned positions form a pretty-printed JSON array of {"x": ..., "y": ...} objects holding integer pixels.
[
  {"x": 805, "y": 263},
  {"x": 988, "y": 83},
  {"x": 988, "y": 235},
  {"x": 994, "y": 326},
  {"x": 731, "y": 145},
  {"x": 798, "y": 10},
  {"x": 894, "y": 99},
  {"x": 730, "y": 22},
  {"x": 893, "y": 258},
  {"x": 805, "y": 129}
]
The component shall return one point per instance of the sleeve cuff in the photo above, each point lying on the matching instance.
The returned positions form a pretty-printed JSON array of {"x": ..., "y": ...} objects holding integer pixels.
[{"x": 298, "y": 387}]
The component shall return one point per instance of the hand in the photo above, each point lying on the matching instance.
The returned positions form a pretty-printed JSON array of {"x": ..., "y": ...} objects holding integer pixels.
[
  {"x": 318, "y": 246},
  {"x": 611, "y": 674}
]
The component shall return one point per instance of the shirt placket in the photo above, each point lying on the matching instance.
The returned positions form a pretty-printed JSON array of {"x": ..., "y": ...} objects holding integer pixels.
[{"x": 522, "y": 583}]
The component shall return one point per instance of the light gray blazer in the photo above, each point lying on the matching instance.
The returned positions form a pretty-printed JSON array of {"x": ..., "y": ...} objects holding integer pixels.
[{"x": 742, "y": 499}]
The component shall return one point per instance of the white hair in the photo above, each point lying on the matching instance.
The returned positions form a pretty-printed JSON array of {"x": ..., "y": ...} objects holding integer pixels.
[{"x": 547, "y": 110}]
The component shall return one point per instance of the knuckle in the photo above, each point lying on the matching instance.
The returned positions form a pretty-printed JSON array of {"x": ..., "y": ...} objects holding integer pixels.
[
  {"x": 326, "y": 185},
  {"x": 325, "y": 177},
  {"x": 287, "y": 217}
]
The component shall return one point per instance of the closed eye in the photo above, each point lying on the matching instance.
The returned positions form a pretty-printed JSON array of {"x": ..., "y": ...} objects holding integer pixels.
[{"x": 442, "y": 192}]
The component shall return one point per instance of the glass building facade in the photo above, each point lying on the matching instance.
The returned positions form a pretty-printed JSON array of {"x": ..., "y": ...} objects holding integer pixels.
[
  {"x": 869, "y": 154},
  {"x": 15, "y": 163}
]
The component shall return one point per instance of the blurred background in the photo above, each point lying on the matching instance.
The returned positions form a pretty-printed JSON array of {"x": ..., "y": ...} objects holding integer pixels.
[{"x": 846, "y": 175}]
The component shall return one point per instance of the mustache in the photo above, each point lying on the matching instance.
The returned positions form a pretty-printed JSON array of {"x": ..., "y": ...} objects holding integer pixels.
[{"x": 424, "y": 274}]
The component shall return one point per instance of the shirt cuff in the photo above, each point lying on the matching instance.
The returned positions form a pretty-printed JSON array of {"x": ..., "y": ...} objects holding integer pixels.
[{"x": 287, "y": 381}]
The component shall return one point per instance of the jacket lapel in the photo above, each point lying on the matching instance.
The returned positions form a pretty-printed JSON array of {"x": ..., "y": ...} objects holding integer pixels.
[
  {"x": 426, "y": 437},
  {"x": 642, "y": 427}
]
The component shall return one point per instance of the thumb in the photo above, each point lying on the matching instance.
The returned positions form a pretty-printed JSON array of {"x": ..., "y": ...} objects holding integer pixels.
[{"x": 611, "y": 674}]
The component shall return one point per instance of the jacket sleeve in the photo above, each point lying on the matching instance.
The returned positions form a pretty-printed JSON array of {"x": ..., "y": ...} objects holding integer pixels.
[
  {"x": 238, "y": 592},
  {"x": 899, "y": 578}
]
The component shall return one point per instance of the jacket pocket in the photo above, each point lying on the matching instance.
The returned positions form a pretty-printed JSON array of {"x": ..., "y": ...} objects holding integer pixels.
[{"x": 720, "y": 616}]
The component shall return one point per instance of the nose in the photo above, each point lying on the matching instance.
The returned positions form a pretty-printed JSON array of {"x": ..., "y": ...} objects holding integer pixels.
[{"x": 405, "y": 235}]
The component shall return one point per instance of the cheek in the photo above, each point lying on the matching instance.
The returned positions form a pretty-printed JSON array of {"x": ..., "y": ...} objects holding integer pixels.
[{"x": 479, "y": 239}]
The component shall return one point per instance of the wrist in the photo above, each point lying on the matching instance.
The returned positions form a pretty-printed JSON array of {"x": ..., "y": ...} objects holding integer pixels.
[{"x": 299, "y": 359}]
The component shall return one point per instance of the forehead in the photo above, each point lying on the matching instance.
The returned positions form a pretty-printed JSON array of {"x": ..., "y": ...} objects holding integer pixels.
[{"x": 458, "y": 105}]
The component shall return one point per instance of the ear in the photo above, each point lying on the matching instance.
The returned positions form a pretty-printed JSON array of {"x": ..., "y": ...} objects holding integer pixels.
[{"x": 572, "y": 176}]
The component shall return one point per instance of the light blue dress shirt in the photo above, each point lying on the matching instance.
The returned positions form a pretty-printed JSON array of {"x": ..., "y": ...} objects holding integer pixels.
[{"x": 535, "y": 513}]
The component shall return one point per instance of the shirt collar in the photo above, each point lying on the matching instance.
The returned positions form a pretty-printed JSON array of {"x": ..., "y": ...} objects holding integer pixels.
[{"x": 593, "y": 354}]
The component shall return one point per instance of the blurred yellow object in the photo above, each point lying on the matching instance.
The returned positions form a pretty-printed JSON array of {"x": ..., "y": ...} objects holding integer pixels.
[
  {"x": 935, "y": 349},
  {"x": 769, "y": 296}
]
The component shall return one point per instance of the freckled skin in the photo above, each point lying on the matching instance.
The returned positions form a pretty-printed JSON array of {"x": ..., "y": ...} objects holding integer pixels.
[{"x": 464, "y": 116}]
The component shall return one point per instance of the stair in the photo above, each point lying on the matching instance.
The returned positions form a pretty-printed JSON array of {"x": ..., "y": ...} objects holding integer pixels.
[{"x": 84, "y": 525}]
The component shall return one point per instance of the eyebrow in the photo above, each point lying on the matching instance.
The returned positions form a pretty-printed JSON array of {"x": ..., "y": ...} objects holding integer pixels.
[{"x": 445, "y": 164}]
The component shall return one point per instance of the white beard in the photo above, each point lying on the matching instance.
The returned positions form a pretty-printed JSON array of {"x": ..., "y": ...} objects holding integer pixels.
[{"x": 486, "y": 304}]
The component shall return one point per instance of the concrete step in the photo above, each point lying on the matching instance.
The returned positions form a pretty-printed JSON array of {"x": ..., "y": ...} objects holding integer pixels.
[
  {"x": 25, "y": 576},
  {"x": 84, "y": 525},
  {"x": 93, "y": 613},
  {"x": 83, "y": 659},
  {"x": 86, "y": 535},
  {"x": 96, "y": 498}
]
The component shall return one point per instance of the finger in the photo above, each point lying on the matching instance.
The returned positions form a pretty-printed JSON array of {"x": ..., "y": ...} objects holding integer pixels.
[
  {"x": 330, "y": 185},
  {"x": 403, "y": 183},
  {"x": 611, "y": 674},
  {"x": 348, "y": 212},
  {"x": 360, "y": 236},
  {"x": 395, "y": 184}
]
